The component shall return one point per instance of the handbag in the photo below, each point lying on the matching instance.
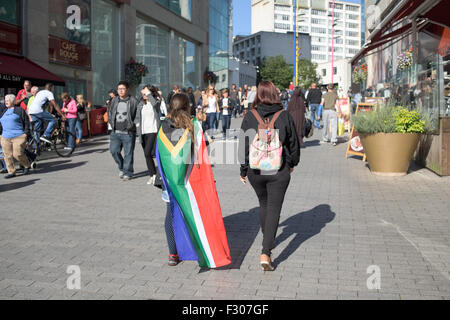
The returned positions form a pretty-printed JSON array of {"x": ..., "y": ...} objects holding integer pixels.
[{"x": 82, "y": 116}]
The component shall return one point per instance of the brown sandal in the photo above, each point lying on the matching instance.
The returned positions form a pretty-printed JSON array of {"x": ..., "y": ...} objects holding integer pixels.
[{"x": 266, "y": 264}]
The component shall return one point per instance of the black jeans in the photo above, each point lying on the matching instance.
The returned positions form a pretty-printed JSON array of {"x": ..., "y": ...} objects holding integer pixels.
[
  {"x": 270, "y": 190},
  {"x": 148, "y": 144}
]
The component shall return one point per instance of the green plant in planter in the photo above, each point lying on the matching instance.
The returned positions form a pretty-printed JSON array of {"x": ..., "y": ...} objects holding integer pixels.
[
  {"x": 391, "y": 119},
  {"x": 408, "y": 121}
]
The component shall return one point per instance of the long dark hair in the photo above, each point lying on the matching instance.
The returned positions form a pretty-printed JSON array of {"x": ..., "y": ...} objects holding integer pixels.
[
  {"x": 180, "y": 113},
  {"x": 266, "y": 94}
]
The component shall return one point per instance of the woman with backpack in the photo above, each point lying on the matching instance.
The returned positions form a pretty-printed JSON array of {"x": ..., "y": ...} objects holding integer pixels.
[{"x": 268, "y": 152}]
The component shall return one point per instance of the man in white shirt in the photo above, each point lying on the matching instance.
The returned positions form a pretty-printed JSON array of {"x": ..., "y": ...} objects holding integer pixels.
[{"x": 38, "y": 115}]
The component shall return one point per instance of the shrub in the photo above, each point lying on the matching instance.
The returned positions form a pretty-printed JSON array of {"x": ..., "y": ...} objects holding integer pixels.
[{"x": 390, "y": 119}]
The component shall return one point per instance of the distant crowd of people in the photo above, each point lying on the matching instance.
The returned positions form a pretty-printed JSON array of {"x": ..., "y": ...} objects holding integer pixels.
[{"x": 36, "y": 111}]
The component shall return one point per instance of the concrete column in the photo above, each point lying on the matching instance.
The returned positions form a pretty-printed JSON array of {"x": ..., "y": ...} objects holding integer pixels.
[
  {"x": 36, "y": 38},
  {"x": 128, "y": 35}
]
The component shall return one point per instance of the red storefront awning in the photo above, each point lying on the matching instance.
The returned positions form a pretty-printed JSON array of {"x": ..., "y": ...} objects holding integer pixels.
[
  {"x": 438, "y": 13},
  {"x": 16, "y": 69}
]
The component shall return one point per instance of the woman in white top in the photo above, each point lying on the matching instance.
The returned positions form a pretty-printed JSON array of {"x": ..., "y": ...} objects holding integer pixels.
[
  {"x": 147, "y": 126},
  {"x": 211, "y": 104}
]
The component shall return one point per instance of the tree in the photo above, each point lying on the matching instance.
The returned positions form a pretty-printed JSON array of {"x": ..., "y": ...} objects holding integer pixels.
[
  {"x": 307, "y": 73},
  {"x": 276, "y": 70}
]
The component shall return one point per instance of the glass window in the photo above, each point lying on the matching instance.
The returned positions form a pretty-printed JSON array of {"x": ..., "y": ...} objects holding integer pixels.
[
  {"x": 9, "y": 11},
  {"x": 180, "y": 7},
  {"x": 104, "y": 50},
  {"x": 152, "y": 49},
  {"x": 184, "y": 63}
]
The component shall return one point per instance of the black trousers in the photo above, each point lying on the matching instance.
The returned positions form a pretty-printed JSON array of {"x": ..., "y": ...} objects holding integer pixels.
[
  {"x": 148, "y": 144},
  {"x": 270, "y": 190}
]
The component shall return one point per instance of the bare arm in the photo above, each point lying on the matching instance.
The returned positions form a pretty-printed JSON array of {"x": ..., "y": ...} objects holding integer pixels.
[{"x": 54, "y": 105}]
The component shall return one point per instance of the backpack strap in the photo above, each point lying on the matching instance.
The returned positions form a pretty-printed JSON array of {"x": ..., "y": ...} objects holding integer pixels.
[
  {"x": 262, "y": 122},
  {"x": 258, "y": 117},
  {"x": 275, "y": 117}
]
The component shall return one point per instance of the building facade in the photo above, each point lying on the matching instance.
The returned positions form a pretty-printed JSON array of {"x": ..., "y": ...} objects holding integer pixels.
[
  {"x": 419, "y": 30},
  {"x": 241, "y": 73},
  {"x": 254, "y": 48},
  {"x": 87, "y": 43},
  {"x": 315, "y": 19},
  {"x": 219, "y": 26},
  {"x": 342, "y": 75}
]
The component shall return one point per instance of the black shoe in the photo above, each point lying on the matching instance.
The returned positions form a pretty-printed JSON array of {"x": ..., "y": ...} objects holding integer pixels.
[
  {"x": 3, "y": 171},
  {"x": 26, "y": 171},
  {"x": 9, "y": 176}
]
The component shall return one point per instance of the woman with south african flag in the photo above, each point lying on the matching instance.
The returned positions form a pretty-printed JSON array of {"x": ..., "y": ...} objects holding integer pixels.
[{"x": 194, "y": 224}]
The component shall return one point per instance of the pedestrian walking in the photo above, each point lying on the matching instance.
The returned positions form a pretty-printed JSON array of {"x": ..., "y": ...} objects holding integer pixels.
[
  {"x": 82, "y": 116},
  {"x": 14, "y": 130},
  {"x": 147, "y": 124},
  {"x": 194, "y": 224},
  {"x": 314, "y": 100},
  {"x": 234, "y": 100},
  {"x": 70, "y": 110},
  {"x": 211, "y": 102},
  {"x": 251, "y": 96},
  {"x": 191, "y": 97},
  {"x": 285, "y": 99},
  {"x": 297, "y": 109},
  {"x": 24, "y": 95},
  {"x": 270, "y": 187},
  {"x": 122, "y": 115},
  {"x": 330, "y": 116},
  {"x": 226, "y": 106}
]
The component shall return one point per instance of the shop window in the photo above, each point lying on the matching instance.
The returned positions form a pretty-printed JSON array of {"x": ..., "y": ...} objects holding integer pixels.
[{"x": 180, "y": 7}]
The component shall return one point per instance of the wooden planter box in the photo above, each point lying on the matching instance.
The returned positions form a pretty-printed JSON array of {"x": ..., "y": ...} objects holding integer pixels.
[{"x": 434, "y": 150}]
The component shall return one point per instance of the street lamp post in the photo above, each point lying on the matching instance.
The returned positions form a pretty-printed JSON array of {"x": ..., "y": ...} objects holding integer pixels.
[{"x": 332, "y": 47}]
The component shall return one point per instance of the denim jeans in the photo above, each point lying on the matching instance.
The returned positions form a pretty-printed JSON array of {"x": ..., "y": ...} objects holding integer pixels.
[
  {"x": 226, "y": 122},
  {"x": 71, "y": 127},
  {"x": 79, "y": 129},
  {"x": 330, "y": 117},
  {"x": 210, "y": 118},
  {"x": 127, "y": 142},
  {"x": 314, "y": 113},
  {"x": 39, "y": 119},
  {"x": 216, "y": 122}
]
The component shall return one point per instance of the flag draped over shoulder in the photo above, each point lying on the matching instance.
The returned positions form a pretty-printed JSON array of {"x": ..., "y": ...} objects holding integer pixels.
[{"x": 196, "y": 214}]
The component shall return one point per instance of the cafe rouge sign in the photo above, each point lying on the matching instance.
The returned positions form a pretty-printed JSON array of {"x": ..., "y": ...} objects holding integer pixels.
[{"x": 68, "y": 52}]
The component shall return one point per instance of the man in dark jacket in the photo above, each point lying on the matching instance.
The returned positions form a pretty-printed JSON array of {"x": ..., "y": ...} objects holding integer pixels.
[
  {"x": 313, "y": 101},
  {"x": 122, "y": 116}
]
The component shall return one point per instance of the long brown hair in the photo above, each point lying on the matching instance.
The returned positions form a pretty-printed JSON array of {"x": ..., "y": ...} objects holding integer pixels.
[
  {"x": 267, "y": 94},
  {"x": 180, "y": 113}
]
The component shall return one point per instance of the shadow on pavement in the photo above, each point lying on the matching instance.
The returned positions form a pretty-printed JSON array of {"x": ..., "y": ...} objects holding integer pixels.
[
  {"x": 57, "y": 166},
  {"x": 303, "y": 225},
  {"x": 17, "y": 185},
  {"x": 90, "y": 151},
  {"x": 242, "y": 229},
  {"x": 311, "y": 143}
]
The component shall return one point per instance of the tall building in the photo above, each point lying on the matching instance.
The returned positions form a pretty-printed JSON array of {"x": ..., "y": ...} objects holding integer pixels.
[
  {"x": 314, "y": 18},
  {"x": 83, "y": 45},
  {"x": 219, "y": 26},
  {"x": 254, "y": 48}
]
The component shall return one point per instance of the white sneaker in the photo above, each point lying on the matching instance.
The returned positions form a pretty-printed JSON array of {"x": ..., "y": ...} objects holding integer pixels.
[{"x": 151, "y": 180}]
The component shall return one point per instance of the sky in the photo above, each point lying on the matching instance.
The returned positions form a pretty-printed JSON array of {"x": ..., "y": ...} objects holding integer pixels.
[{"x": 242, "y": 15}]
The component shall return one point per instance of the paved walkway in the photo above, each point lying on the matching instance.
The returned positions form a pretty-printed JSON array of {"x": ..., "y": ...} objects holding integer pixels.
[{"x": 337, "y": 220}]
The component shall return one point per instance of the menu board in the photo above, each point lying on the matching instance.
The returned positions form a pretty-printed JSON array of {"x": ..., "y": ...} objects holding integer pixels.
[
  {"x": 344, "y": 104},
  {"x": 354, "y": 144}
]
